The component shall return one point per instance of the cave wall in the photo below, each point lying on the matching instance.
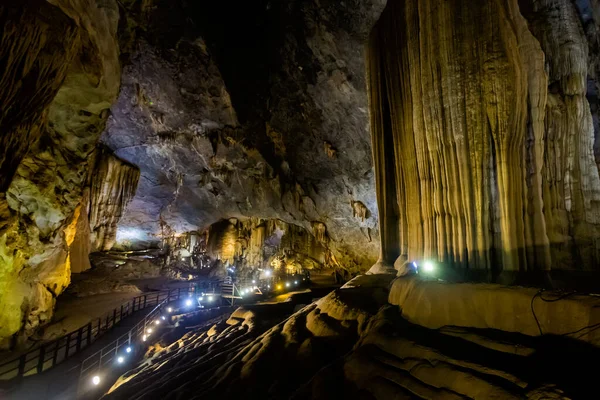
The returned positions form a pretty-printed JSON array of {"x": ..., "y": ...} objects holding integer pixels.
[
  {"x": 483, "y": 136},
  {"x": 258, "y": 243},
  {"x": 37, "y": 39},
  {"x": 253, "y": 110},
  {"x": 39, "y": 207}
]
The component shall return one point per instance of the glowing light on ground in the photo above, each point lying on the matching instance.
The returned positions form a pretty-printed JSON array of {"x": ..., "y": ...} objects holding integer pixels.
[{"x": 428, "y": 266}]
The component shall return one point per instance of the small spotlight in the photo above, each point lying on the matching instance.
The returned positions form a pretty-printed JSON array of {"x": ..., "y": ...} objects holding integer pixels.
[
  {"x": 157, "y": 322},
  {"x": 96, "y": 380},
  {"x": 201, "y": 298},
  {"x": 268, "y": 273},
  {"x": 209, "y": 298},
  {"x": 268, "y": 286},
  {"x": 128, "y": 349},
  {"x": 163, "y": 318},
  {"x": 287, "y": 284},
  {"x": 149, "y": 330},
  {"x": 279, "y": 287},
  {"x": 295, "y": 282},
  {"x": 144, "y": 338},
  {"x": 188, "y": 303},
  {"x": 253, "y": 281},
  {"x": 169, "y": 310},
  {"x": 120, "y": 360},
  {"x": 428, "y": 266}
]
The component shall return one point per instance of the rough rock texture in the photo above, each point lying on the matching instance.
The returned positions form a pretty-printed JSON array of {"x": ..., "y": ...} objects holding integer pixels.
[
  {"x": 39, "y": 221},
  {"x": 253, "y": 244},
  {"x": 483, "y": 136},
  {"x": 352, "y": 344},
  {"x": 273, "y": 126},
  {"x": 38, "y": 41},
  {"x": 487, "y": 306}
]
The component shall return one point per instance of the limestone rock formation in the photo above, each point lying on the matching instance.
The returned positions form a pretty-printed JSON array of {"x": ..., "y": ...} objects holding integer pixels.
[
  {"x": 112, "y": 185},
  {"x": 483, "y": 136},
  {"x": 353, "y": 344},
  {"x": 38, "y": 43},
  {"x": 250, "y": 246},
  {"x": 228, "y": 128},
  {"x": 73, "y": 54}
]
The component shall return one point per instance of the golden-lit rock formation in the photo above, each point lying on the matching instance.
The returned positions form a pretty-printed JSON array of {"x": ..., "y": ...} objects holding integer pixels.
[
  {"x": 482, "y": 135},
  {"x": 46, "y": 185},
  {"x": 258, "y": 243},
  {"x": 112, "y": 185}
]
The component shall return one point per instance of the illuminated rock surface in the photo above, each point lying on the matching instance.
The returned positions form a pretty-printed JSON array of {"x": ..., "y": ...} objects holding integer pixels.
[
  {"x": 352, "y": 344},
  {"x": 483, "y": 136},
  {"x": 227, "y": 128},
  {"x": 70, "y": 92},
  {"x": 242, "y": 128}
]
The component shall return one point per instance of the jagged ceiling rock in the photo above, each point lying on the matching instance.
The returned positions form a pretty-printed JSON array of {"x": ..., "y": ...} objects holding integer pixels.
[
  {"x": 266, "y": 120},
  {"x": 47, "y": 184}
]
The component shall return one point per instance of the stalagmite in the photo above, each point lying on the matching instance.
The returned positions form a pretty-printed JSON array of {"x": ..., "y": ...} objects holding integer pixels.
[{"x": 483, "y": 158}]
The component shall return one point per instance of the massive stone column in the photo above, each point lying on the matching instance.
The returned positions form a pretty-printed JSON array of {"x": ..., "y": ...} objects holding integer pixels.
[{"x": 482, "y": 135}]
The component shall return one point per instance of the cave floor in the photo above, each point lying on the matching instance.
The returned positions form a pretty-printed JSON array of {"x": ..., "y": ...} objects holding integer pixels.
[{"x": 73, "y": 312}]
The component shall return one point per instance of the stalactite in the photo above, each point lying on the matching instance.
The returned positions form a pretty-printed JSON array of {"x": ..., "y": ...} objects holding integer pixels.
[
  {"x": 255, "y": 243},
  {"x": 482, "y": 159},
  {"x": 37, "y": 43},
  {"x": 113, "y": 185}
]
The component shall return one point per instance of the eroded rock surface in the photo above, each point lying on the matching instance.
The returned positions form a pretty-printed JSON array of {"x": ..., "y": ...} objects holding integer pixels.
[
  {"x": 352, "y": 344},
  {"x": 273, "y": 127},
  {"x": 39, "y": 218},
  {"x": 483, "y": 136}
]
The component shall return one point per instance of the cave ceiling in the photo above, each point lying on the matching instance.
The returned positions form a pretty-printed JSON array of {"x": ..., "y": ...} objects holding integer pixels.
[{"x": 248, "y": 110}]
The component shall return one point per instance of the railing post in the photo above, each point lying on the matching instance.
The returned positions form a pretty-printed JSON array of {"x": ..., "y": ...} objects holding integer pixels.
[
  {"x": 55, "y": 355},
  {"x": 121, "y": 313},
  {"x": 144, "y": 301},
  {"x": 40, "y": 366},
  {"x": 79, "y": 335},
  {"x": 114, "y": 316},
  {"x": 22, "y": 364},
  {"x": 89, "y": 334},
  {"x": 67, "y": 348}
]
